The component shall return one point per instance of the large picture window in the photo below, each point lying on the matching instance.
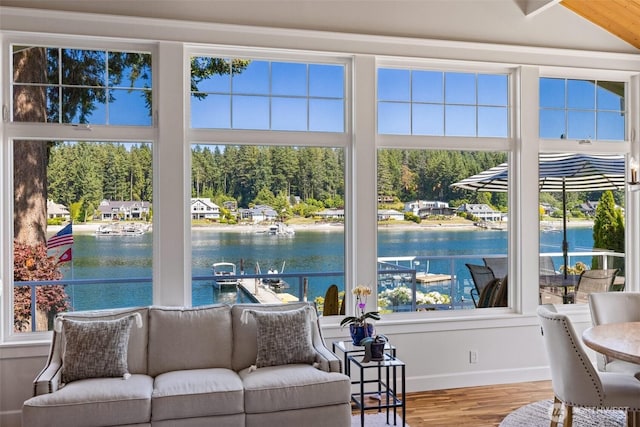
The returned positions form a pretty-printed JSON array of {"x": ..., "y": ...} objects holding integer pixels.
[
  {"x": 95, "y": 248},
  {"x": 271, "y": 216}
]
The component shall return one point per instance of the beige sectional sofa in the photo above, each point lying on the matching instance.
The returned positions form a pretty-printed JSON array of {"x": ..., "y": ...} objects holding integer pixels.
[{"x": 220, "y": 365}]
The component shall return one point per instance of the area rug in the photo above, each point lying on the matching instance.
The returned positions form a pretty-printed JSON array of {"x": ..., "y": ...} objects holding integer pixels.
[
  {"x": 539, "y": 415},
  {"x": 376, "y": 420}
]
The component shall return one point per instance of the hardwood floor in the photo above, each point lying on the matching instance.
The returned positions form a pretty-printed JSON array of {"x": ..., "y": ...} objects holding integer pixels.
[{"x": 473, "y": 406}]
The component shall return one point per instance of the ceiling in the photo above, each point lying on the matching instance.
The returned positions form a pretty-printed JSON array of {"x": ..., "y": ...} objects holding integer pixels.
[
  {"x": 619, "y": 17},
  {"x": 543, "y": 23}
]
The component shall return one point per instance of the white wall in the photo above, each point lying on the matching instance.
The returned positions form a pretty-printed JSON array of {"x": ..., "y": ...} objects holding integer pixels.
[{"x": 435, "y": 348}]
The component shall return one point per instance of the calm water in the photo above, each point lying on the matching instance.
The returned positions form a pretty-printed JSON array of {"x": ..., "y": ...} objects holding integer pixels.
[{"x": 130, "y": 256}]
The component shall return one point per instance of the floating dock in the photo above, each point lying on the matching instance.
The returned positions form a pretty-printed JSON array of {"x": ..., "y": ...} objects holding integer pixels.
[
  {"x": 432, "y": 278},
  {"x": 264, "y": 294}
]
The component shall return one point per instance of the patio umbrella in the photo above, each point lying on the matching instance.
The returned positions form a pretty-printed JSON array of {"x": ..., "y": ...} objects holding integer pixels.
[{"x": 559, "y": 173}]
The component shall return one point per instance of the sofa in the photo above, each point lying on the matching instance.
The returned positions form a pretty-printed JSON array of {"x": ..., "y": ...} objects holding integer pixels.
[{"x": 219, "y": 365}]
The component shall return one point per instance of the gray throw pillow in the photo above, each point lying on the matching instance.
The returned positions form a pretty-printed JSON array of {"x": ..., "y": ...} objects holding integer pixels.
[
  {"x": 95, "y": 348},
  {"x": 284, "y": 337}
]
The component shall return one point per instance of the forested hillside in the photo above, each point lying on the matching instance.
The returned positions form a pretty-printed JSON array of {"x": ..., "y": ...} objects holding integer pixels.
[{"x": 84, "y": 173}]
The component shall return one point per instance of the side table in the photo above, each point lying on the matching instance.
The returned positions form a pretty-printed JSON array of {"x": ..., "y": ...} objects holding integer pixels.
[
  {"x": 349, "y": 348},
  {"x": 384, "y": 377}
]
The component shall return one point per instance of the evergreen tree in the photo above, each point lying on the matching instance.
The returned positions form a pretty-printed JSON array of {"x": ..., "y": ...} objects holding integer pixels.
[{"x": 608, "y": 230}]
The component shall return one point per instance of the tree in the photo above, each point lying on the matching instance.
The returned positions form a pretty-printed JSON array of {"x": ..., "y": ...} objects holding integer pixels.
[{"x": 608, "y": 230}]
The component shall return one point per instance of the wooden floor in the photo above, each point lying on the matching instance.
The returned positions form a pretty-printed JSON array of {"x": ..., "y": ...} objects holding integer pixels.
[{"x": 474, "y": 406}]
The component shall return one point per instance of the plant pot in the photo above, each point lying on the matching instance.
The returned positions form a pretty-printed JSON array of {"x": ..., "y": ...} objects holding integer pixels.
[
  {"x": 377, "y": 351},
  {"x": 360, "y": 332}
]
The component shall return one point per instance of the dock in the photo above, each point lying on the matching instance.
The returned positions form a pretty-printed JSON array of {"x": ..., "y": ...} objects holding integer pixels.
[
  {"x": 264, "y": 294},
  {"x": 432, "y": 278}
]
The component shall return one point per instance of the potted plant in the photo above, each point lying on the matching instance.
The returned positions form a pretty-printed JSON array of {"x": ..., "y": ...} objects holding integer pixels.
[
  {"x": 374, "y": 348},
  {"x": 358, "y": 325}
]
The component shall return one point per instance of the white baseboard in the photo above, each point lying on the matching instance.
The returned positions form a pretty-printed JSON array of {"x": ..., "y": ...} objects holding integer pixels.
[{"x": 476, "y": 378}]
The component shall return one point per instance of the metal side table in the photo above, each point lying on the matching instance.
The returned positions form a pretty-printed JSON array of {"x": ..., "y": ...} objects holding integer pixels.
[
  {"x": 378, "y": 386},
  {"x": 348, "y": 348}
]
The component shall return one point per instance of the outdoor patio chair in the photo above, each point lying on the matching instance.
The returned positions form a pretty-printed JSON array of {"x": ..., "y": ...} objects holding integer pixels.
[
  {"x": 575, "y": 381},
  {"x": 331, "y": 304},
  {"x": 481, "y": 276},
  {"x": 498, "y": 265},
  {"x": 614, "y": 307},
  {"x": 547, "y": 267},
  {"x": 596, "y": 280}
]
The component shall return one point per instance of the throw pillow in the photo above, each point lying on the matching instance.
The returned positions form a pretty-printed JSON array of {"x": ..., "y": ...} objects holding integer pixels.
[
  {"x": 95, "y": 348},
  {"x": 284, "y": 337}
]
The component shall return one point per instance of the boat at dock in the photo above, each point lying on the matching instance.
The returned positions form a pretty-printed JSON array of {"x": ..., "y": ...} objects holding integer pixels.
[
  {"x": 280, "y": 229},
  {"x": 224, "y": 274},
  {"x": 272, "y": 279},
  {"x": 118, "y": 229}
]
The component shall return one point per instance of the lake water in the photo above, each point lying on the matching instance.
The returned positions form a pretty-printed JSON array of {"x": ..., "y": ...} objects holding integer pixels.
[{"x": 308, "y": 251}]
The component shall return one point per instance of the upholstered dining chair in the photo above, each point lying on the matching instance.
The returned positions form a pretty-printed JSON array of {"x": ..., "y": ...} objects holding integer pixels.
[
  {"x": 615, "y": 307},
  {"x": 575, "y": 381}
]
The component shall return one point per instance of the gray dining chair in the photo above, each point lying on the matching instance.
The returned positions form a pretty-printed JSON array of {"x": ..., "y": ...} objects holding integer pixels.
[
  {"x": 481, "y": 276},
  {"x": 615, "y": 307},
  {"x": 574, "y": 379},
  {"x": 499, "y": 265}
]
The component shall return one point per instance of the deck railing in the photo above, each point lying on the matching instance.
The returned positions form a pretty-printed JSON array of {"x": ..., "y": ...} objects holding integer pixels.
[{"x": 445, "y": 274}]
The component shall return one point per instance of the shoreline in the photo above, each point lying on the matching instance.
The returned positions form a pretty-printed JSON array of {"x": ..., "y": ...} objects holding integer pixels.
[{"x": 330, "y": 227}]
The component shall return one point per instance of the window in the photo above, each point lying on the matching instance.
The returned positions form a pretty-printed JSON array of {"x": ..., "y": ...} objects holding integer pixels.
[
  {"x": 421, "y": 102},
  {"x": 97, "y": 242},
  {"x": 81, "y": 86},
  {"x": 582, "y": 109},
  {"x": 284, "y": 235},
  {"x": 267, "y": 95},
  {"x": 273, "y": 229},
  {"x": 429, "y": 230},
  {"x": 582, "y": 224},
  {"x": 82, "y": 202}
]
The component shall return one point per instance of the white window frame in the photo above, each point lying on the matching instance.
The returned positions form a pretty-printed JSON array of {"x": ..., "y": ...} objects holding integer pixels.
[{"x": 15, "y": 131}]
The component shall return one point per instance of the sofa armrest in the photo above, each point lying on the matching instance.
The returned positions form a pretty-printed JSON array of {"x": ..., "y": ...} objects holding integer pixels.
[
  {"x": 327, "y": 359},
  {"x": 48, "y": 380}
]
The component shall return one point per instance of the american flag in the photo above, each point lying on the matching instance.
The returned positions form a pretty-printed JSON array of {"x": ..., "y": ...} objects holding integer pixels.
[{"x": 61, "y": 238}]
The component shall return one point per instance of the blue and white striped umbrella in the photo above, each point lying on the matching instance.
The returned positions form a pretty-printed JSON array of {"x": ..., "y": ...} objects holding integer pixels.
[{"x": 559, "y": 172}]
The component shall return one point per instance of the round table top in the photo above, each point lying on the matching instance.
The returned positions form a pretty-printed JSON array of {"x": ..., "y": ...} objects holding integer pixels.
[{"x": 617, "y": 340}]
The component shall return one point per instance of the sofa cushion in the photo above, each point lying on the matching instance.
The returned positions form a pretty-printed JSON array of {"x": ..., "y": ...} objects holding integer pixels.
[
  {"x": 137, "y": 348},
  {"x": 289, "y": 387},
  {"x": 189, "y": 338},
  {"x": 283, "y": 337},
  {"x": 91, "y": 403},
  {"x": 197, "y": 393},
  {"x": 95, "y": 348},
  {"x": 245, "y": 341}
]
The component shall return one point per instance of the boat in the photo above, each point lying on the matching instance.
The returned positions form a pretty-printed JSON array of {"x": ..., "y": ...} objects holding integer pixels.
[
  {"x": 273, "y": 280},
  {"x": 280, "y": 229},
  {"x": 117, "y": 229},
  {"x": 223, "y": 272}
]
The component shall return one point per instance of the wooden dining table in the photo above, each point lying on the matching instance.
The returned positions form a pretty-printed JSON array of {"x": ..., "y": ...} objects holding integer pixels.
[{"x": 617, "y": 340}]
